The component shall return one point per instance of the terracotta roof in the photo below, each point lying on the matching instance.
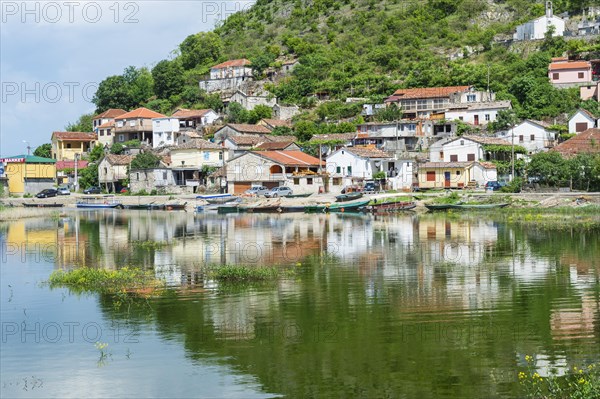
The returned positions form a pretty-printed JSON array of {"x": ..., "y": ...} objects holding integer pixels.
[
  {"x": 114, "y": 159},
  {"x": 246, "y": 128},
  {"x": 290, "y": 158},
  {"x": 183, "y": 113},
  {"x": 232, "y": 63},
  {"x": 246, "y": 139},
  {"x": 111, "y": 113},
  {"x": 141, "y": 113},
  {"x": 485, "y": 140},
  {"x": 62, "y": 165},
  {"x": 429, "y": 92},
  {"x": 277, "y": 122},
  {"x": 556, "y": 59},
  {"x": 569, "y": 65},
  {"x": 275, "y": 145},
  {"x": 107, "y": 124},
  {"x": 367, "y": 152},
  {"x": 333, "y": 136},
  {"x": 197, "y": 144},
  {"x": 192, "y": 134},
  {"x": 587, "y": 141},
  {"x": 488, "y": 165},
  {"x": 442, "y": 165},
  {"x": 74, "y": 136},
  {"x": 271, "y": 138}
]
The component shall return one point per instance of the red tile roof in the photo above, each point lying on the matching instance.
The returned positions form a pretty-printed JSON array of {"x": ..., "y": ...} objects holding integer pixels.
[
  {"x": 273, "y": 139},
  {"x": 62, "y": 165},
  {"x": 367, "y": 152},
  {"x": 74, "y": 136},
  {"x": 197, "y": 144},
  {"x": 275, "y": 145},
  {"x": 277, "y": 122},
  {"x": 290, "y": 158},
  {"x": 183, "y": 113},
  {"x": 586, "y": 113},
  {"x": 246, "y": 128},
  {"x": 232, "y": 63},
  {"x": 107, "y": 124},
  {"x": 141, "y": 112},
  {"x": 586, "y": 142},
  {"x": 246, "y": 139},
  {"x": 114, "y": 159},
  {"x": 429, "y": 92},
  {"x": 555, "y": 66},
  {"x": 111, "y": 113},
  {"x": 334, "y": 136}
]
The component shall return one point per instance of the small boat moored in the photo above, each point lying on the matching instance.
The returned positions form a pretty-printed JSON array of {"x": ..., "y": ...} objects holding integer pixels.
[
  {"x": 107, "y": 201},
  {"x": 348, "y": 197},
  {"x": 42, "y": 205}
]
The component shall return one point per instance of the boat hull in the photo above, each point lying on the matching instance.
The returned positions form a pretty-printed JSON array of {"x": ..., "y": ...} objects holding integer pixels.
[
  {"x": 26, "y": 205},
  {"x": 348, "y": 197},
  {"x": 388, "y": 207},
  {"x": 99, "y": 206},
  {"x": 347, "y": 207},
  {"x": 443, "y": 207}
]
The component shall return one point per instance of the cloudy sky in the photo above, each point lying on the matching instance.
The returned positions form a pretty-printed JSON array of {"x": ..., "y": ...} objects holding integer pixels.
[{"x": 53, "y": 54}]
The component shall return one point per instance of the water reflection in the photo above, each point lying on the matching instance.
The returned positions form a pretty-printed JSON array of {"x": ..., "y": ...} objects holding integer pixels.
[{"x": 432, "y": 305}]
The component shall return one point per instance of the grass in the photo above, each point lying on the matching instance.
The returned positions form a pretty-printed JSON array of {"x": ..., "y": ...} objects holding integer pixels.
[
  {"x": 403, "y": 198},
  {"x": 8, "y": 213},
  {"x": 125, "y": 281},
  {"x": 244, "y": 274},
  {"x": 149, "y": 245}
]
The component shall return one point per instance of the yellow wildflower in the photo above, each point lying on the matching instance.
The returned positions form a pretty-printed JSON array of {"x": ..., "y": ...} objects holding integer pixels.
[
  {"x": 522, "y": 375},
  {"x": 528, "y": 358}
]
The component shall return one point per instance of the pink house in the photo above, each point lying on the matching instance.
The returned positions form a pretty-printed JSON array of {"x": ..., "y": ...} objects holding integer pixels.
[
  {"x": 564, "y": 73},
  {"x": 590, "y": 91}
]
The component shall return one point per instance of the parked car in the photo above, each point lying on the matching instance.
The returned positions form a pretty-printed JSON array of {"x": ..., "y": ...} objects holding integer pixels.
[
  {"x": 257, "y": 190},
  {"x": 279, "y": 192},
  {"x": 372, "y": 187},
  {"x": 64, "y": 190},
  {"x": 49, "y": 192},
  {"x": 493, "y": 185},
  {"x": 92, "y": 190}
]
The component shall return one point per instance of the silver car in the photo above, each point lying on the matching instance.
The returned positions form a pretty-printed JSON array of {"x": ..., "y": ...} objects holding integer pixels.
[
  {"x": 257, "y": 190},
  {"x": 279, "y": 192},
  {"x": 64, "y": 191}
]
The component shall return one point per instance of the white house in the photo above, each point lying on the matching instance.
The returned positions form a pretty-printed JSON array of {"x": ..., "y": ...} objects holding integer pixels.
[
  {"x": 477, "y": 113},
  {"x": 161, "y": 179},
  {"x": 195, "y": 118},
  {"x": 164, "y": 131},
  {"x": 537, "y": 28},
  {"x": 464, "y": 149},
  {"x": 581, "y": 120},
  {"x": 250, "y": 101},
  {"x": 228, "y": 75},
  {"x": 533, "y": 135},
  {"x": 351, "y": 165}
]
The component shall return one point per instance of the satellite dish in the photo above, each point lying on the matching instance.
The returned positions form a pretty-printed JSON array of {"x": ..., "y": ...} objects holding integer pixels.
[{"x": 325, "y": 149}]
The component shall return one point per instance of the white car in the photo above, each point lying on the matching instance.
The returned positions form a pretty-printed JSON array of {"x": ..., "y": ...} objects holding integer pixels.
[
  {"x": 64, "y": 191},
  {"x": 279, "y": 192},
  {"x": 257, "y": 190}
]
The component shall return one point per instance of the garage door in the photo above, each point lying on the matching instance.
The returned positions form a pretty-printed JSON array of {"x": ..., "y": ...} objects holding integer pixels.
[
  {"x": 581, "y": 126},
  {"x": 240, "y": 188}
]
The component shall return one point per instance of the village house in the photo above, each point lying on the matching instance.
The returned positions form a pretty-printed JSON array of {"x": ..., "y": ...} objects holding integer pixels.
[
  {"x": 536, "y": 29},
  {"x": 228, "y": 75},
  {"x": 586, "y": 142},
  {"x": 104, "y": 124},
  {"x": 581, "y": 121},
  {"x": 403, "y": 135},
  {"x": 192, "y": 161},
  {"x": 590, "y": 92},
  {"x": 250, "y": 100},
  {"x": 424, "y": 102},
  {"x": 564, "y": 73},
  {"x": 187, "y": 136},
  {"x": 113, "y": 171},
  {"x": 235, "y": 129},
  {"x": 477, "y": 113},
  {"x": 236, "y": 145},
  {"x": 432, "y": 175},
  {"x": 354, "y": 165},
  {"x": 135, "y": 125},
  {"x": 161, "y": 179},
  {"x": 28, "y": 174},
  {"x": 464, "y": 149},
  {"x": 283, "y": 67},
  {"x": 165, "y": 131},
  {"x": 285, "y": 112},
  {"x": 66, "y": 146},
  {"x": 534, "y": 136},
  {"x": 195, "y": 119},
  {"x": 294, "y": 169}
]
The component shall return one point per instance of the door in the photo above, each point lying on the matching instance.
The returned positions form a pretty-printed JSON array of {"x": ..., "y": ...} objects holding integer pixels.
[
  {"x": 476, "y": 119},
  {"x": 446, "y": 179},
  {"x": 240, "y": 188}
]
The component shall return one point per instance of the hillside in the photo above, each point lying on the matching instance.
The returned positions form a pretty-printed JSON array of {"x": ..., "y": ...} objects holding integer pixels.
[{"x": 365, "y": 48}]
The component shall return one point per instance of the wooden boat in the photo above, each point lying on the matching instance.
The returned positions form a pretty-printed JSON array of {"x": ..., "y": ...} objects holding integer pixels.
[
  {"x": 221, "y": 200},
  {"x": 443, "y": 207},
  {"x": 387, "y": 207},
  {"x": 223, "y": 209},
  {"x": 209, "y": 196},
  {"x": 262, "y": 209},
  {"x": 138, "y": 206},
  {"x": 99, "y": 203},
  {"x": 315, "y": 208},
  {"x": 40, "y": 205},
  {"x": 175, "y": 207},
  {"x": 299, "y": 195},
  {"x": 347, "y": 207},
  {"x": 290, "y": 209},
  {"x": 348, "y": 197},
  {"x": 157, "y": 207}
]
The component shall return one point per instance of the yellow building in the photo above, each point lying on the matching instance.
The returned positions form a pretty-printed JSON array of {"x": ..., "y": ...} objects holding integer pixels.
[
  {"x": 29, "y": 174},
  {"x": 66, "y": 144},
  {"x": 455, "y": 174}
]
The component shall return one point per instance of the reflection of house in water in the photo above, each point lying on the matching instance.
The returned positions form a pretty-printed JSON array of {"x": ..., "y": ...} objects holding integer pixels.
[{"x": 32, "y": 240}]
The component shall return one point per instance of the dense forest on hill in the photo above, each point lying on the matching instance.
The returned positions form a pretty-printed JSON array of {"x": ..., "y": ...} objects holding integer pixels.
[{"x": 365, "y": 48}]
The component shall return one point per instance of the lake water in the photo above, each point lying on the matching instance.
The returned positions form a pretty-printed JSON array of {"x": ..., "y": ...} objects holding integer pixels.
[{"x": 396, "y": 306}]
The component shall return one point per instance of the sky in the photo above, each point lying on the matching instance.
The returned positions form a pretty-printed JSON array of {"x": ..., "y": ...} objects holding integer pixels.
[{"x": 53, "y": 55}]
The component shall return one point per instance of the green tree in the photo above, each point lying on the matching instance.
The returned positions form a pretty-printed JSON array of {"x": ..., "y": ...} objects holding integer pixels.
[
  {"x": 112, "y": 93},
  {"x": 88, "y": 176},
  {"x": 200, "y": 49},
  {"x": 145, "y": 160},
  {"x": 236, "y": 113},
  {"x": 505, "y": 119},
  {"x": 260, "y": 112},
  {"x": 117, "y": 149},
  {"x": 168, "y": 78},
  {"x": 548, "y": 168},
  {"x": 282, "y": 131},
  {"x": 389, "y": 113},
  {"x": 83, "y": 124},
  {"x": 97, "y": 153},
  {"x": 44, "y": 151}
]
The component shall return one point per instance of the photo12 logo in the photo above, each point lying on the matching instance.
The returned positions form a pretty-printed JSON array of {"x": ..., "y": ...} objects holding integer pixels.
[
  {"x": 53, "y": 12},
  {"x": 48, "y": 92},
  {"x": 221, "y": 10}
]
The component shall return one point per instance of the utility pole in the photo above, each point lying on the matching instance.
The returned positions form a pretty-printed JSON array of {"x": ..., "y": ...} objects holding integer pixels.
[
  {"x": 76, "y": 178},
  {"x": 512, "y": 150}
]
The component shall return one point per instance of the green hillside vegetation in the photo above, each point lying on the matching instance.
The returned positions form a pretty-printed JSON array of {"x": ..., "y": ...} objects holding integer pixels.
[{"x": 364, "y": 48}]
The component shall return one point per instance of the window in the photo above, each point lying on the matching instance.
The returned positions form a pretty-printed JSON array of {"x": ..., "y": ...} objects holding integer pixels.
[
  {"x": 338, "y": 169},
  {"x": 471, "y": 98},
  {"x": 520, "y": 138},
  {"x": 108, "y": 132},
  {"x": 349, "y": 170},
  {"x": 68, "y": 145},
  {"x": 121, "y": 137},
  {"x": 165, "y": 175},
  {"x": 296, "y": 181},
  {"x": 442, "y": 155},
  {"x": 462, "y": 142},
  {"x": 453, "y": 158},
  {"x": 421, "y": 104},
  {"x": 580, "y": 75},
  {"x": 460, "y": 118},
  {"x": 137, "y": 176},
  {"x": 487, "y": 117},
  {"x": 532, "y": 137},
  {"x": 470, "y": 157},
  {"x": 430, "y": 176},
  {"x": 132, "y": 123},
  {"x": 220, "y": 156},
  {"x": 458, "y": 173},
  {"x": 101, "y": 132},
  {"x": 309, "y": 181},
  {"x": 337, "y": 181},
  {"x": 555, "y": 76}
]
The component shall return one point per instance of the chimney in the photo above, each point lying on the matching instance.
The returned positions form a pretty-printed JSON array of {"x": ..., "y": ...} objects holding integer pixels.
[{"x": 549, "y": 12}]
